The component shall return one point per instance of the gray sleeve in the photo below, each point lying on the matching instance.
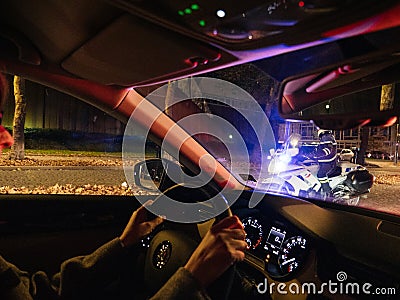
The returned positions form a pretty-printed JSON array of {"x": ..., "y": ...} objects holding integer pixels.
[
  {"x": 91, "y": 272},
  {"x": 80, "y": 277},
  {"x": 14, "y": 283},
  {"x": 182, "y": 285}
]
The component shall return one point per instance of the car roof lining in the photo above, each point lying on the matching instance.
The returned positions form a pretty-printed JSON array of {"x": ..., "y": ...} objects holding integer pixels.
[
  {"x": 358, "y": 63},
  {"x": 110, "y": 57},
  {"x": 105, "y": 44},
  {"x": 45, "y": 20},
  {"x": 321, "y": 17},
  {"x": 87, "y": 29},
  {"x": 301, "y": 98}
]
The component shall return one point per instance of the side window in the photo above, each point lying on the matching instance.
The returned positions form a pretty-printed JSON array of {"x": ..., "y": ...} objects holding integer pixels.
[{"x": 70, "y": 148}]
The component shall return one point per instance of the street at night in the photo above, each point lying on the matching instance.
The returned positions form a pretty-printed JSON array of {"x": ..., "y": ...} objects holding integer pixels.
[
  {"x": 83, "y": 175},
  {"x": 384, "y": 194}
]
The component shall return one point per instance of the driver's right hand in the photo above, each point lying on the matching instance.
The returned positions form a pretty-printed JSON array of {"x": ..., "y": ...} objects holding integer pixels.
[{"x": 223, "y": 245}]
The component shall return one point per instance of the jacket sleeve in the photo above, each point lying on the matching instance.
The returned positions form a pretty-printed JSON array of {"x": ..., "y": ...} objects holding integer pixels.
[
  {"x": 86, "y": 275},
  {"x": 182, "y": 285},
  {"x": 324, "y": 152},
  {"x": 82, "y": 277},
  {"x": 14, "y": 283}
]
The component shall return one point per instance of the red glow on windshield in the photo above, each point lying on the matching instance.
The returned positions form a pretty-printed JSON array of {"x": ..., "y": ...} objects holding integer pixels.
[
  {"x": 384, "y": 20},
  {"x": 390, "y": 122}
]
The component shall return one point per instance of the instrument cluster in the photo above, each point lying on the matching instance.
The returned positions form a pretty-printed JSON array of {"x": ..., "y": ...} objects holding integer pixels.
[{"x": 279, "y": 246}]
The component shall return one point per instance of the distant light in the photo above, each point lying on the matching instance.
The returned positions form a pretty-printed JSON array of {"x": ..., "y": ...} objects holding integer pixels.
[
  {"x": 294, "y": 142},
  {"x": 188, "y": 11},
  {"x": 181, "y": 13},
  {"x": 221, "y": 13},
  {"x": 250, "y": 37},
  {"x": 301, "y": 3},
  {"x": 202, "y": 23},
  {"x": 327, "y": 107},
  {"x": 195, "y": 6},
  {"x": 230, "y": 136}
]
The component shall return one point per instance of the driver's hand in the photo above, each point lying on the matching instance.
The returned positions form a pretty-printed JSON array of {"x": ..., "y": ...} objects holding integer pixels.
[
  {"x": 139, "y": 225},
  {"x": 222, "y": 246}
]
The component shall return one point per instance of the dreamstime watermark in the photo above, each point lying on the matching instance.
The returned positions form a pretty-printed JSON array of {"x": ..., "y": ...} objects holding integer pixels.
[
  {"x": 331, "y": 287},
  {"x": 188, "y": 102}
]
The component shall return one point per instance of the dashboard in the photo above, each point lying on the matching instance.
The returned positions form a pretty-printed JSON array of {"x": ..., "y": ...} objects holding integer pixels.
[
  {"x": 274, "y": 245},
  {"x": 295, "y": 242}
]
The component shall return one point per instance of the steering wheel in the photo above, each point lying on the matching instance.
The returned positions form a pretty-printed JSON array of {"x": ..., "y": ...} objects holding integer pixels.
[{"x": 173, "y": 244}]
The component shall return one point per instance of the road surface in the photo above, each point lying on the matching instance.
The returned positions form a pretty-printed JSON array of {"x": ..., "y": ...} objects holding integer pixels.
[{"x": 384, "y": 195}]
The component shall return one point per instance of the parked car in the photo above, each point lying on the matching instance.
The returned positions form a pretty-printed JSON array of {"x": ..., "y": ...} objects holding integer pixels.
[
  {"x": 212, "y": 84},
  {"x": 346, "y": 154},
  {"x": 380, "y": 155}
]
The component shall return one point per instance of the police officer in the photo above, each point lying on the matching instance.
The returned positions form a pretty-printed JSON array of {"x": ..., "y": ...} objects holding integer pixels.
[{"x": 326, "y": 155}]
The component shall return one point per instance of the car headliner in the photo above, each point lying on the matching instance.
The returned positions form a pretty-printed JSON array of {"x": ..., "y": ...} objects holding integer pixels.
[{"x": 122, "y": 43}]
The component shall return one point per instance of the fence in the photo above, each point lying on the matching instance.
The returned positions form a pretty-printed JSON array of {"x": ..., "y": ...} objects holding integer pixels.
[{"x": 49, "y": 109}]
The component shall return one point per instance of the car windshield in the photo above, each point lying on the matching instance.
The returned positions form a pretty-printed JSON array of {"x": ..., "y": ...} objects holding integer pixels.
[
  {"x": 233, "y": 114},
  {"x": 237, "y": 121}
]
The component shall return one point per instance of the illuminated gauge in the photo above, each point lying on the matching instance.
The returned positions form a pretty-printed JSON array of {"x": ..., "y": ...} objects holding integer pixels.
[
  {"x": 254, "y": 232},
  {"x": 292, "y": 254}
]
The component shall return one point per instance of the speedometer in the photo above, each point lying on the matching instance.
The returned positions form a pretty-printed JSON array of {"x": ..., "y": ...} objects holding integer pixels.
[
  {"x": 254, "y": 232},
  {"x": 292, "y": 254}
]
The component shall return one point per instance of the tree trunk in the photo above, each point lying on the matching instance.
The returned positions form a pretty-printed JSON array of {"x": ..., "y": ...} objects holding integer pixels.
[
  {"x": 18, "y": 148},
  {"x": 387, "y": 97},
  {"x": 363, "y": 146}
]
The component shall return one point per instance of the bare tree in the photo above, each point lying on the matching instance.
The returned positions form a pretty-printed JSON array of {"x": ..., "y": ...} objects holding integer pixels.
[{"x": 18, "y": 148}]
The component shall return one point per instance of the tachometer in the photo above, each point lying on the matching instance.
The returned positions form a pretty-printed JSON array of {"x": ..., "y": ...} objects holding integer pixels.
[
  {"x": 292, "y": 254},
  {"x": 254, "y": 232}
]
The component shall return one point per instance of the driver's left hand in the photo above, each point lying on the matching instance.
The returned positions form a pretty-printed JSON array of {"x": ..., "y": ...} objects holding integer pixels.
[{"x": 139, "y": 225}]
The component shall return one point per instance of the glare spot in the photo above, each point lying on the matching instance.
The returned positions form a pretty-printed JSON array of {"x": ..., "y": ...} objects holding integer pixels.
[{"x": 221, "y": 13}]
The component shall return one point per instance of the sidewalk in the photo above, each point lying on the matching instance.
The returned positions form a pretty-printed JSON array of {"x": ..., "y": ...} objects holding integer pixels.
[
  {"x": 57, "y": 161},
  {"x": 383, "y": 167},
  {"x": 383, "y": 163}
]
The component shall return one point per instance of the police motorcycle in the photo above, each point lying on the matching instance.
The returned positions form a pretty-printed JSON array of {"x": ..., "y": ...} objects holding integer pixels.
[{"x": 293, "y": 173}]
